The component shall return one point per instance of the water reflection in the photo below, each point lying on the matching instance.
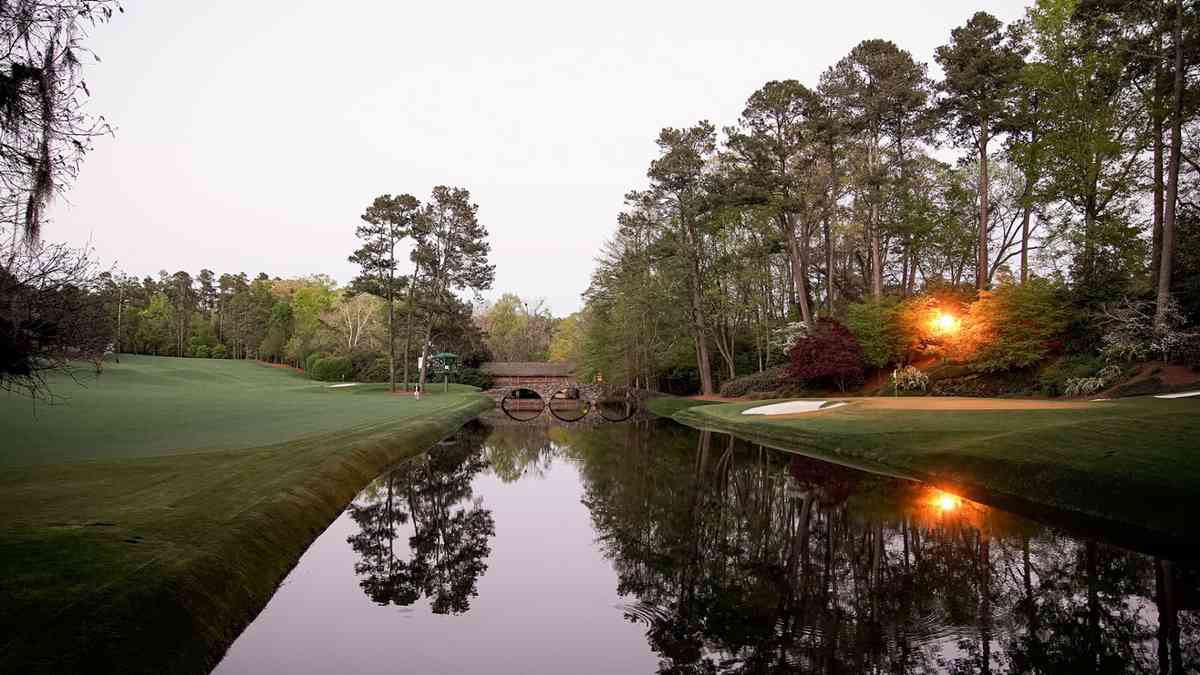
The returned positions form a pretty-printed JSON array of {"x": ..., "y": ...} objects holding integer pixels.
[
  {"x": 447, "y": 549},
  {"x": 741, "y": 559},
  {"x": 722, "y": 557}
]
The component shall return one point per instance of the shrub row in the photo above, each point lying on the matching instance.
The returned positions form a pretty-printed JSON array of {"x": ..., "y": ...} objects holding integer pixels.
[
  {"x": 331, "y": 369},
  {"x": 769, "y": 380}
]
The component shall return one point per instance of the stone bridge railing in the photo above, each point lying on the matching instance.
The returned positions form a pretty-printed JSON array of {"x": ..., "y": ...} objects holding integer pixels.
[{"x": 592, "y": 394}]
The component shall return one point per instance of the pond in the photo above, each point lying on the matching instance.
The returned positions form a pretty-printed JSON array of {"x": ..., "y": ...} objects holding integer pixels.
[{"x": 651, "y": 547}]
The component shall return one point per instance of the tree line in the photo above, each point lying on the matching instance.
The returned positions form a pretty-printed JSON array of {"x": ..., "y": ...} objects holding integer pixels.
[
  {"x": 61, "y": 309},
  {"x": 1073, "y": 126}
]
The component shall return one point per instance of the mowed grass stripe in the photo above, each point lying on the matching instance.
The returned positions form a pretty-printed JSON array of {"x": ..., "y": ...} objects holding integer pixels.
[
  {"x": 159, "y": 405},
  {"x": 148, "y": 562}
]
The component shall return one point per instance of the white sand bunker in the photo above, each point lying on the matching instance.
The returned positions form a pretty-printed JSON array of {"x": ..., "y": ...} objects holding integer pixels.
[
  {"x": 792, "y": 407},
  {"x": 1182, "y": 394},
  {"x": 338, "y": 386}
]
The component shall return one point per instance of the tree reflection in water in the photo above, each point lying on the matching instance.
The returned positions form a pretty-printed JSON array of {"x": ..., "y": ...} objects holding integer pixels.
[
  {"x": 447, "y": 551},
  {"x": 740, "y": 559}
]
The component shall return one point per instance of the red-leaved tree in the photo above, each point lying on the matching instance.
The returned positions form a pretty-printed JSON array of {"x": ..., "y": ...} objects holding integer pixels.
[{"x": 829, "y": 355}]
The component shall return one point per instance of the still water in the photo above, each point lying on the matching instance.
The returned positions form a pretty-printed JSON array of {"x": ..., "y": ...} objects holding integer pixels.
[{"x": 644, "y": 548}]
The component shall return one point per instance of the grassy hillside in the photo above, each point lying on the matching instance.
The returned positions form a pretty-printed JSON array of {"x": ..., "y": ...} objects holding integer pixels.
[
  {"x": 1134, "y": 460},
  {"x": 149, "y": 405},
  {"x": 150, "y": 556}
]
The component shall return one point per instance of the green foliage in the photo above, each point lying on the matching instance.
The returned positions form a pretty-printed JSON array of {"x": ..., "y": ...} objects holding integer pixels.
[
  {"x": 1014, "y": 326},
  {"x": 875, "y": 324},
  {"x": 362, "y": 362},
  {"x": 566, "y": 340},
  {"x": 332, "y": 369},
  {"x": 948, "y": 371},
  {"x": 154, "y": 326},
  {"x": 201, "y": 344},
  {"x": 1146, "y": 386},
  {"x": 219, "y": 352},
  {"x": 516, "y": 330},
  {"x": 279, "y": 332},
  {"x": 768, "y": 381},
  {"x": 473, "y": 377},
  {"x": 311, "y": 362},
  {"x": 1186, "y": 278},
  {"x": 376, "y": 371},
  {"x": 1018, "y": 382},
  {"x": 1054, "y": 376}
]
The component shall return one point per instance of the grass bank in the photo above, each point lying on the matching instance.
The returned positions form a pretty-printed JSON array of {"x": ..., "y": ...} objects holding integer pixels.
[
  {"x": 147, "y": 555},
  {"x": 666, "y": 406},
  {"x": 1135, "y": 461}
]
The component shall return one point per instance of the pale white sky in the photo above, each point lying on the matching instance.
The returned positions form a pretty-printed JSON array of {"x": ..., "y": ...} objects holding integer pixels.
[{"x": 251, "y": 135}]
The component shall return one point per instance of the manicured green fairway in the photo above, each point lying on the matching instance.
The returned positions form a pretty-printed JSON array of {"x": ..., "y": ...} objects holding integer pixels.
[
  {"x": 149, "y": 555},
  {"x": 1133, "y": 460},
  {"x": 150, "y": 405}
]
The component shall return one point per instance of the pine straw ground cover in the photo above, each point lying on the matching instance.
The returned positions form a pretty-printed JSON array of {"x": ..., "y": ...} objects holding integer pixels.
[
  {"x": 145, "y": 555},
  {"x": 1132, "y": 461}
]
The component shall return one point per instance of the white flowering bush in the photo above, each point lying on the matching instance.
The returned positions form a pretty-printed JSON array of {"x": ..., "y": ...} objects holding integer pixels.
[
  {"x": 1090, "y": 386},
  {"x": 786, "y": 337},
  {"x": 910, "y": 378},
  {"x": 1129, "y": 333}
]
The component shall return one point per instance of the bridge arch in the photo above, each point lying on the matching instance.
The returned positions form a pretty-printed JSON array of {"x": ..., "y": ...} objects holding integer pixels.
[{"x": 591, "y": 395}]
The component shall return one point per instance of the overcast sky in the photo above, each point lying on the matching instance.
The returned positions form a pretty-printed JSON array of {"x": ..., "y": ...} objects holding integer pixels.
[{"x": 251, "y": 135}]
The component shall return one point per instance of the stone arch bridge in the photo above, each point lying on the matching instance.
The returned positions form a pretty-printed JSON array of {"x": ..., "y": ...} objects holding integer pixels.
[{"x": 592, "y": 394}]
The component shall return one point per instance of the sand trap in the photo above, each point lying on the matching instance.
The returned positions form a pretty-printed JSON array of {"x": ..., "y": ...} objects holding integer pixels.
[
  {"x": 1182, "y": 394},
  {"x": 347, "y": 384},
  {"x": 791, "y": 408}
]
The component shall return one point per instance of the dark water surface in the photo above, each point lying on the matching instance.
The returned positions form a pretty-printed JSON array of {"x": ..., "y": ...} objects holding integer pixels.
[{"x": 655, "y": 548}]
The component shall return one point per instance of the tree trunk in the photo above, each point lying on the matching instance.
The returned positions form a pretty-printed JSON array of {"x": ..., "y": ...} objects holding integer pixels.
[
  {"x": 873, "y": 217},
  {"x": 828, "y": 268},
  {"x": 391, "y": 301},
  {"x": 981, "y": 275},
  {"x": 1157, "y": 115},
  {"x": 697, "y": 299},
  {"x": 827, "y": 227},
  {"x": 1172, "y": 196},
  {"x": 798, "y": 248},
  {"x": 1031, "y": 181},
  {"x": 876, "y": 261},
  {"x": 412, "y": 285},
  {"x": 698, "y": 323},
  {"x": 425, "y": 357}
]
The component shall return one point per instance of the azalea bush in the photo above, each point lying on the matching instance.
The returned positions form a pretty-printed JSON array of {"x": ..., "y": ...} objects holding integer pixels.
[
  {"x": 1014, "y": 326},
  {"x": 828, "y": 355},
  {"x": 1129, "y": 334},
  {"x": 769, "y": 380},
  {"x": 1090, "y": 386},
  {"x": 910, "y": 378}
]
